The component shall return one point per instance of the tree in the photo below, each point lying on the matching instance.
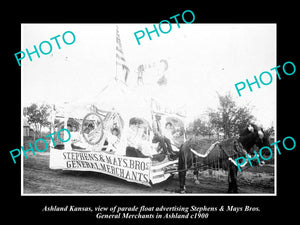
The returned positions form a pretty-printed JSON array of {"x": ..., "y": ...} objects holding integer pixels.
[
  {"x": 229, "y": 118},
  {"x": 197, "y": 126},
  {"x": 202, "y": 127},
  {"x": 215, "y": 121},
  {"x": 38, "y": 116}
]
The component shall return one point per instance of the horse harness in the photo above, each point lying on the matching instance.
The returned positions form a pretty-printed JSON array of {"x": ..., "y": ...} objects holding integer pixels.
[{"x": 239, "y": 151}]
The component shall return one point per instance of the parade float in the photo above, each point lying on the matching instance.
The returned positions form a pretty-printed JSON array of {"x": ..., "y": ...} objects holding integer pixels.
[{"x": 118, "y": 118}]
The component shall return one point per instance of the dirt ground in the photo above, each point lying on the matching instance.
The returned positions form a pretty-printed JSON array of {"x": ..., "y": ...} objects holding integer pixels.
[{"x": 39, "y": 179}]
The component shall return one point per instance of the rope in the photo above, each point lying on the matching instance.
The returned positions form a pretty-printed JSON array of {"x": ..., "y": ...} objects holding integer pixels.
[
  {"x": 207, "y": 152},
  {"x": 238, "y": 151}
]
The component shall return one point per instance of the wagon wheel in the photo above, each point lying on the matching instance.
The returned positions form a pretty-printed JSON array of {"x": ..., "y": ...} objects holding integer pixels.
[{"x": 92, "y": 128}]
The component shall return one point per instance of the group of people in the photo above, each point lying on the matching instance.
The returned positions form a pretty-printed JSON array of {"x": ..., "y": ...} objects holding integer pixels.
[
  {"x": 77, "y": 141},
  {"x": 112, "y": 138},
  {"x": 140, "y": 143}
]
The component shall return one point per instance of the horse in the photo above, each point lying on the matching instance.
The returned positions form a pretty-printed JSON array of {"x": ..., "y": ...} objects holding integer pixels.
[{"x": 220, "y": 154}]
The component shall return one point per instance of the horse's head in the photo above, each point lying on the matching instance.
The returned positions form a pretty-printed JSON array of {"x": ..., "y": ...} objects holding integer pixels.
[{"x": 253, "y": 135}]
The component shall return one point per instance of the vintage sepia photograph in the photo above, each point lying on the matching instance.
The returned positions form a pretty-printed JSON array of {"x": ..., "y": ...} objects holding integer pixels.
[{"x": 148, "y": 109}]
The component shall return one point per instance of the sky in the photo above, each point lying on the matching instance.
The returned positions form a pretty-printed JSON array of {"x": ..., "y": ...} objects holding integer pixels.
[{"x": 204, "y": 60}]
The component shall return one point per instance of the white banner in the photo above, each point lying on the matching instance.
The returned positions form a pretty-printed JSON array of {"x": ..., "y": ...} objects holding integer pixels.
[{"x": 128, "y": 168}]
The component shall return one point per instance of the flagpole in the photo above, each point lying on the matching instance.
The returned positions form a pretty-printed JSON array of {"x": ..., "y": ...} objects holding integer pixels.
[
  {"x": 120, "y": 58},
  {"x": 117, "y": 30}
]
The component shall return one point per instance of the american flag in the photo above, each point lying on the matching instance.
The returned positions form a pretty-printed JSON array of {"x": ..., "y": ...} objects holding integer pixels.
[{"x": 122, "y": 69}]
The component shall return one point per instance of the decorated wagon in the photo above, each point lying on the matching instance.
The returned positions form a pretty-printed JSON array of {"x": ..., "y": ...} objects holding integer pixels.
[
  {"x": 101, "y": 139},
  {"x": 124, "y": 132}
]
